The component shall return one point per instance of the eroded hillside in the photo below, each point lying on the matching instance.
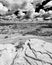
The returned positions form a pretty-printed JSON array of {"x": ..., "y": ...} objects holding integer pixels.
[{"x": 25, "y": 32}]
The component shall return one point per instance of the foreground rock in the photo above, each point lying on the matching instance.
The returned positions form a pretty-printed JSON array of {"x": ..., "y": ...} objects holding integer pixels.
[{"x": 31, "y": 52}]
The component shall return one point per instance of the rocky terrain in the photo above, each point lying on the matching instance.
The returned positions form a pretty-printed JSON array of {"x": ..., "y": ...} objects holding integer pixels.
[
  {"x": 25, "y": 32},
  {"x": 31, "y": 52}
]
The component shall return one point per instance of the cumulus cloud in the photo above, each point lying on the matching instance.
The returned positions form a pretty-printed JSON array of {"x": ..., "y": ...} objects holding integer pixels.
[
  {"x": 14, "y": 5},
  {"x": 3, "y": 8}
]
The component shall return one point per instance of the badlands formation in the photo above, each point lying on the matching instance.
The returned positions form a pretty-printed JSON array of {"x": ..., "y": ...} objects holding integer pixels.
[
  {"x": 31, "y": 52},
  {"x": 25, "y": 33}
]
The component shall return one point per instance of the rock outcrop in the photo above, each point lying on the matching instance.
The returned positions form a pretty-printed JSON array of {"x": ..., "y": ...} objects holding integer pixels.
[{"x": 31, "y": 52}]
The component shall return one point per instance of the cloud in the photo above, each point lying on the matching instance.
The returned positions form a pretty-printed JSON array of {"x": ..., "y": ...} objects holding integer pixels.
[{"x": 3, "y": 8}]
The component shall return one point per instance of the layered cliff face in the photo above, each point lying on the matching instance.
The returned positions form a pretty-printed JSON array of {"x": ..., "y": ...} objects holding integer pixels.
[{"x": 13, "y": 13}]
